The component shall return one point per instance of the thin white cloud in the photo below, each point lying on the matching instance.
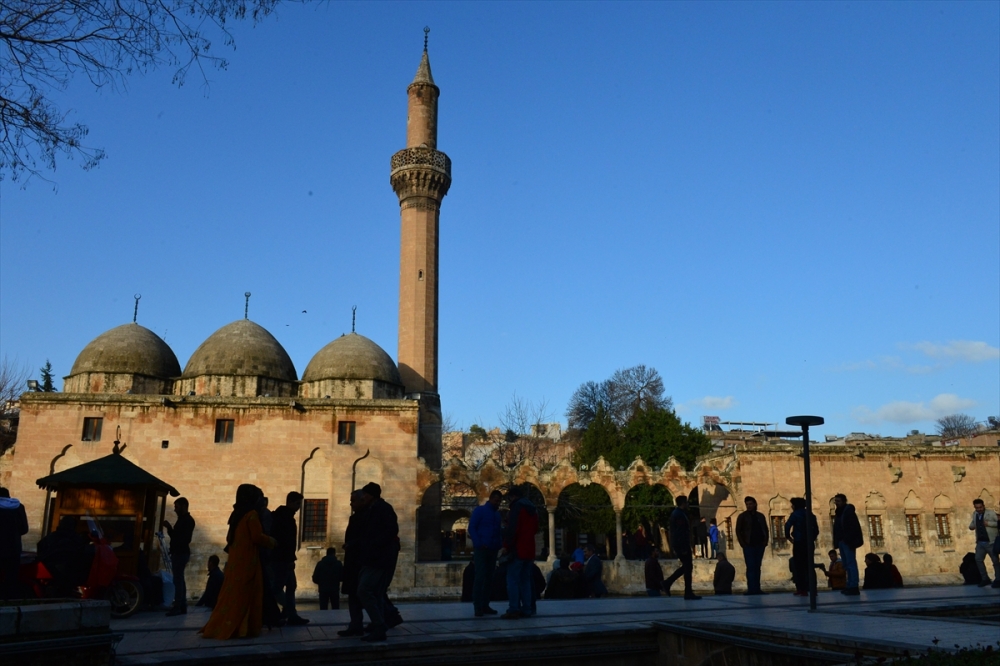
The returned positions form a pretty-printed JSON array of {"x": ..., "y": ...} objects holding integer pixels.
[
  {"x": 710, "y": 402},
  {"x": 970, "y": 351},
  {"x": 902, "y": 411},
  {"x": 890, "y": 363}
]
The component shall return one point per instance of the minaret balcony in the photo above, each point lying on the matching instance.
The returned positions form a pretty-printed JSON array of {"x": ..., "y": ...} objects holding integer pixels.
[{"x": 422, "y": 158}]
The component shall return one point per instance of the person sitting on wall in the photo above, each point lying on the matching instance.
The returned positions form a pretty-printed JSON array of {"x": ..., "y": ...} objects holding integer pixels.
[
  {"x": 592, "y": 570},
  {"x": 653, "y": 574},
  {"x": 564, "y": 582},
  {"x": 725, "y": 574},
  {"x": 897, "y": 578},
  {"x": 969, "y": 570},
  {"x": 877, "y": 575},
  {"x": 66, "y": 555},
  {"x": 214, "y": 585}
]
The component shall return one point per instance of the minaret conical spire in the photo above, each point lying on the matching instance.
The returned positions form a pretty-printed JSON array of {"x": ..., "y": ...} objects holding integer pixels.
[{"x": 424, "y": 68}]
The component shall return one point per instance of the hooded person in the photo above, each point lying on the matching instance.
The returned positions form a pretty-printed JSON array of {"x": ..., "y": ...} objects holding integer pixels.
[
  {"x": 519, "y": 544},
  {"x": 13, "y": 525}
]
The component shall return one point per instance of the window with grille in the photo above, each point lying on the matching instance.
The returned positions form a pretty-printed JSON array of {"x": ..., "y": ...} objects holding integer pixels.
[
  {"x": 913, "y": 529},
  {"x": 314, "y": 520},
  {"x": 729, "y": 532},
  {"x": 92, "y": 429},
  {"x": 224, "y": 429},
  {"x": 778, "y": 531},
  {"x": 345, "y": 432},
  {"x": 875, "y": 535},
  {"x": 943, "y": 527}
]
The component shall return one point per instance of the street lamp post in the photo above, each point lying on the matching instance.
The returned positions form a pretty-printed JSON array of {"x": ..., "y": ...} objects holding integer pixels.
[{"x": 804, "y": 422}]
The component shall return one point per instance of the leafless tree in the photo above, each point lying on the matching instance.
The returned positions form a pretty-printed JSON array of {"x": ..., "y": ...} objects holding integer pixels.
[
  {"x": 48, "y": 43},
  {"x": 956, "y": 425},
  {"x": 626, "y": 392},
  {"x": 13, "y": 376},
  {"x": 517, "y": 436}
]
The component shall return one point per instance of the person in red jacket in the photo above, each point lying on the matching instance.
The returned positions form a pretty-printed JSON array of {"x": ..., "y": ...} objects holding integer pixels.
[{"x": 519, "y": 546}]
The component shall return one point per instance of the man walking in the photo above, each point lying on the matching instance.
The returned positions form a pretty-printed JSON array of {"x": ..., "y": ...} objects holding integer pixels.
[
  {"x": 286, "y": 533},
  {"x": 487, "y": 540},
  {"x": 519, "y": 541},
  {"x": 378, "y": 549},
  {"x": 751, "y": 532},
  {"x": 680, "y": 543},
  {"x": 847, "y": 537},
  {"x": 984, "y": 524},
  {"x": 327, "y": 576},
  {"x": 13, "y": 525},
  {"x": 180, "y": 534}
]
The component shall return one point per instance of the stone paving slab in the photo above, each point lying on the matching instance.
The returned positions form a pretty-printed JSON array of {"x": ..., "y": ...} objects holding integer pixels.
[{"x": 154, "y": 638}]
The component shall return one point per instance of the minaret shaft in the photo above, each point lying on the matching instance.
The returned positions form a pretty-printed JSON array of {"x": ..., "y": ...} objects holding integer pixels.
[{"x": 420, "y": 177}]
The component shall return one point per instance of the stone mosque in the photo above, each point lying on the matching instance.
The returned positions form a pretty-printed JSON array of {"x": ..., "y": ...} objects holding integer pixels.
[{"x": 239, "y": 413}]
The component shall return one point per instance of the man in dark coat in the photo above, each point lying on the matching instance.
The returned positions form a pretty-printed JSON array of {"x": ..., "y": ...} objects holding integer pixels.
[
  {"x": 680, "y": 543},
  {"x": 327, "y": 575},
  {"x": 795, "y": 530},
  {"x": 592, "y": 574},
  {"x": 286, "y": 533},
  {"x": 847, "y": 537},
  {"x": 352, "y": 567},
  {"x": 487, "y": 539},
  {"x": 214, "y": 584},
  {"x": 877, "y": 575},
  {"x": 65, "y": 554},
  {"x": 13, "y": 524},
  {"x": 519, "y": 542},
  {"x": 564, "y": 582},
  {"x": 725, "y": 573},
  {"x": 180, "y": 534},
  {"x": 752, "y": 533},
  {"x": 653, "y": 574},
  {"x": 378, "y": 544}
]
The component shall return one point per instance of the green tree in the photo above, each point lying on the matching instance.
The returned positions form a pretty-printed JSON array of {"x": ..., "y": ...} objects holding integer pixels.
[
  {"x": 586, "y": 510},
  {"x": 649, "y": 505},
  {"x": 601, "y": 438},
  {"x": 657, "y": 434},
  {"x": 45, "y": 383}
]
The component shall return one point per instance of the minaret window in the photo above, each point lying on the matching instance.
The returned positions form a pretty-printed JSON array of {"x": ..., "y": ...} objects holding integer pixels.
[{"x": 420, "y": 275}]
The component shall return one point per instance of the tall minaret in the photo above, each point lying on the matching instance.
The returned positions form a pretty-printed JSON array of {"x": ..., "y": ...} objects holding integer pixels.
[{"x": 420, "y": 177}]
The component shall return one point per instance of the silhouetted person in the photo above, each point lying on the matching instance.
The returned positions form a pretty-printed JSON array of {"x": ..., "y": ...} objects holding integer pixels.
[
  {"x": 877, "y": 575},
  {"x": 725, "y": 574},
  {"x": 836, "y": 575},
  {"x": 519, "y": 541},
  {"x": 969, "y": 570},
  {"x": 469, "y": 582},
  {"x": 13, "y": 525},
  {"x": 795, "y": 530},
  {"x": 379, "y": 548},
  {"x": 487, "y": 540},
  {"x": 897, "y": 578},
  {"x": 214, "y": 584},
  {"x": 327, "y": 575},
  {"x": 537, "y": 586},
  {"x": 64, "y": 554},
  {"x": 592, "y": 574},
  {"x": 352, "y": 567},
  {"x": 180, "y": 534},
  {"x": 713, "y": 537},
  {"x": 752, "y": 534},
  {"x": 653, "y": 574},
  {"x": 680, "y": 544},
  {"x": 847, "y": 537},
  {"x": 285, "y": 532},
  {"x": 564, "y": 583},
  {"x": 701, "y": 537}
]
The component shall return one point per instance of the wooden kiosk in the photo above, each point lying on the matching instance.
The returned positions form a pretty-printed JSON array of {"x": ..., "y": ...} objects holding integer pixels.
[{"x": 126, "y": 501}]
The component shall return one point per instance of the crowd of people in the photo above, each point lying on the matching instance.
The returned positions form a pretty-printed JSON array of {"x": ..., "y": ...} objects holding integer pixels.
[{"x": 257, "y": 586}]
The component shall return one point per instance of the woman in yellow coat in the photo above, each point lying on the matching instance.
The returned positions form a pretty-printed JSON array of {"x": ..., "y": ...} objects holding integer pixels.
[{"x": 238, "y": 612}]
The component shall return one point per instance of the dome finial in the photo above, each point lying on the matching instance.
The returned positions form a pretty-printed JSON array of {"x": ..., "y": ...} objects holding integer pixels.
[
  {"x": 246, "y": 306},
  {"x": 427, "y": 31},
  {"x": 354, "y": 316},
  {"x": 135, "y": 313}
]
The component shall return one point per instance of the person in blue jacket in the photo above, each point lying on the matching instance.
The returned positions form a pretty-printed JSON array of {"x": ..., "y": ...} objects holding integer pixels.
[{"x": 487, "y": 540}]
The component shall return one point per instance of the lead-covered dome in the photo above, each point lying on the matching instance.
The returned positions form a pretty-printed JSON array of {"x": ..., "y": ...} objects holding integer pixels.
[
  {"x": 129, "y": 348},
  {"x": 128, "y": 358},
  {"x": 241, "y": 348},
  {"x": 352, "y": 366}
]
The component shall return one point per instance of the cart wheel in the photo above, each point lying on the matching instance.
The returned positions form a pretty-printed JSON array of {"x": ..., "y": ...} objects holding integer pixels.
[{"x": 125, "y": 597}]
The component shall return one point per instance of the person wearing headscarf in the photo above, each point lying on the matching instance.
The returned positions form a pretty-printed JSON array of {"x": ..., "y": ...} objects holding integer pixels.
[{"x": 238, "y": 612}]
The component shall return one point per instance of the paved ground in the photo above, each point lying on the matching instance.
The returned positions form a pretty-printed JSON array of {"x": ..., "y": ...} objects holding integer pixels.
[{"x": 869, "y": 619}]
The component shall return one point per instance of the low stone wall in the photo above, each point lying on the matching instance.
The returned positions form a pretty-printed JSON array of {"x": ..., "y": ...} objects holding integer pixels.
[{"x": 58, "y": 632}]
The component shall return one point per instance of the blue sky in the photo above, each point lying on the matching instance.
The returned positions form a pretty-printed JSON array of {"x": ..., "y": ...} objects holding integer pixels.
[{"x": 784, "y": 208}]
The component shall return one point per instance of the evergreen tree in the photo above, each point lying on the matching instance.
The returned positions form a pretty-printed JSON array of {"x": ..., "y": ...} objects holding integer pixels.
[
  {"x": 601, "y": 438},
  {"x": 46, "y": 384}
]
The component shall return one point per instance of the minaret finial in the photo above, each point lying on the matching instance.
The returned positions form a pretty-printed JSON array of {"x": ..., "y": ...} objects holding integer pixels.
[
  {"x": 354, "y": 317},
  {"x": 427, "y": 31},
  {"x": 246, "y": 307},
  {"x": 135, "y": 313}
]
